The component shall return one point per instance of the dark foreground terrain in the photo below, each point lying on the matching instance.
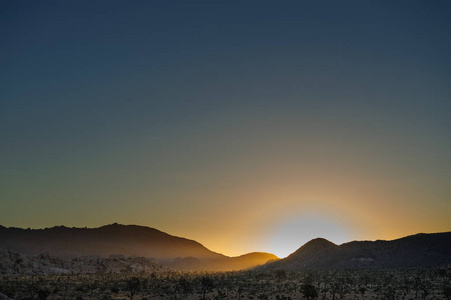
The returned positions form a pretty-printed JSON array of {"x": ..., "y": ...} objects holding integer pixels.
[
  {"x": 432, "y": 283},
  {"x": 137, "y": 263}
]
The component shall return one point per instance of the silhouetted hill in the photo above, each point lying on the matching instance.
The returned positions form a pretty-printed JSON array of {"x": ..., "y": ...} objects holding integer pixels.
[
  {"x": 419, "y": 250},
  {"x": 128, "y": 240},
  {"x": 103, "y": 241},
  {"x": 243, "y": 262},
  {"x": 246, "y": 261}
]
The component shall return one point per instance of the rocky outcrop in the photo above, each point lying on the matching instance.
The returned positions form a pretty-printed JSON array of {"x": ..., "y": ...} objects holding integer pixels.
[{"x": 44, "y": 264}]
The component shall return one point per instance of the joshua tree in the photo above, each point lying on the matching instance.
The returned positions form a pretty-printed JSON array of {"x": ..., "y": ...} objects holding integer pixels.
[
  {"x": 17, "y": 263},
  {"x": 447, "y": 291},
  {"x": 417, "y": 285},
  {"x": 334, "y": 288},
  {"x": 362, "y": 291},
  {"x": 344, "y": 287},
  {"x": 43, "y": 293},
  {"x": 442, "y": 273},
  {"x": 263, "y": 297},
  {"x": 390, "y": 293},
  {"x": 207, "y": 285},
  {"x": 133, "y": 285},
  {"x": 185, "y": 286},
  {"x": 221, "y": 295},
  {"x": 239, "y": 291},
  {"x": 309, "y": 291}
]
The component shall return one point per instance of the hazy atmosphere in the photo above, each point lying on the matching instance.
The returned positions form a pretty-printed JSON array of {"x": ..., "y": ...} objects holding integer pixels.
[{"x": 243, "y": 125}]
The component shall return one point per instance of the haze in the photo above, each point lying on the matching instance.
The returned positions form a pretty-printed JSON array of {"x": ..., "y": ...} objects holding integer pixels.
[{"x": 246, "y": 126}]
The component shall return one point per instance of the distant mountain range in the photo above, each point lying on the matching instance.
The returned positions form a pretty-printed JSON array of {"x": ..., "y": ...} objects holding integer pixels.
[
  {"x": 127, "y": 240},
  {"x": 178, "y": 253},
  {"x": 421, "y": 250}
]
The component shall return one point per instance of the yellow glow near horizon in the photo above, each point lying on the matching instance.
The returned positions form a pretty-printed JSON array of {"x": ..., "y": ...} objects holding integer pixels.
[
  {"x": 294, "y": 231},
  {"x": 248, "y": 219}
]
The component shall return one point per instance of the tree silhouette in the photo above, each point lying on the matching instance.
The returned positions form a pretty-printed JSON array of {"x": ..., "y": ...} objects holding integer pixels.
[
  {"x": 185, "y": 286},
  {"x": 447, "y": 292},
  {"x": 240, "y": 291},
  {"x": 43, "y": 293},
  {"x": 309, "y": 291},
  {"x": 362, "y": 291},
  {"x": 207, "y": 285},
  {"x": 133, "y": 285}
]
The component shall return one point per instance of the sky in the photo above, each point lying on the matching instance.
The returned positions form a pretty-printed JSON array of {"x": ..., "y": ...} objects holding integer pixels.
[{"x": 244, "y": 125}]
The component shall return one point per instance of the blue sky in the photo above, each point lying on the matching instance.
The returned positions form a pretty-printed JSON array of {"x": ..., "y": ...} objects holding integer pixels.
[{"x": 163, "y": 113}]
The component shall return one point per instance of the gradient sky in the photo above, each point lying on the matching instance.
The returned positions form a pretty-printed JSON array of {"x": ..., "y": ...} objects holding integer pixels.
[{"x": 245, "y": 125}]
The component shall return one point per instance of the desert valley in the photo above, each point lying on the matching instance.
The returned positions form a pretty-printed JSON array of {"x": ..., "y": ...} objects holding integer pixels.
[{"x": 135, "y": 262}]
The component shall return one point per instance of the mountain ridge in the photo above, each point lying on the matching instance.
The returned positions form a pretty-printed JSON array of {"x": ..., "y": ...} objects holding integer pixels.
[
  {"x": 129, "y": 240},
  {"x": 422, "y": 249},
  {"x": 102, "y": 241},
  {"x": 419, "y": 250}
]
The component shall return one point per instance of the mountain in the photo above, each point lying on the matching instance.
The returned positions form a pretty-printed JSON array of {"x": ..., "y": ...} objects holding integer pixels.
[
  {"x": 421, "y": 250},
  {"x": 103, "y": 241},
  {"x": 243, "y": 262},
  {"x": 127, "y": 240}
]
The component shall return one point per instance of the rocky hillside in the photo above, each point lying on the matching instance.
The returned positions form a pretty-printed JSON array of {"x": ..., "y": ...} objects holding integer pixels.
[
  {"x": 421, "y": 250},
  {"x": 128, "y": 240},
  {"x": 17, "y": 264}
]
